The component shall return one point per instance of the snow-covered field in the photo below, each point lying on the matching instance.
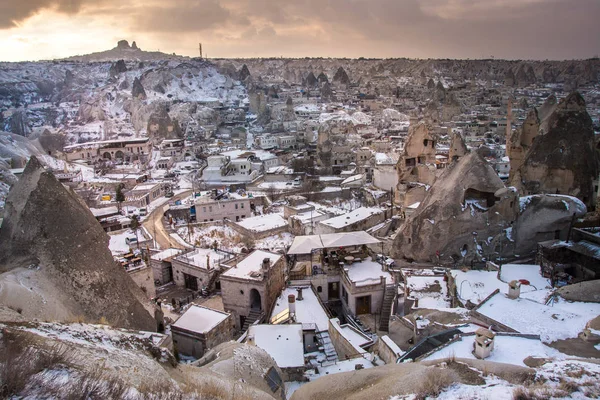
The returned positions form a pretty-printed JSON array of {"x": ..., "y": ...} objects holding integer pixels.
[{"x": 230, "y": 240}]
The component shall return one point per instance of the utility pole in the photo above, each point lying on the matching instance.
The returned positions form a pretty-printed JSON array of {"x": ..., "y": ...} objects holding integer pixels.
[{"x": 200, "y": 49}]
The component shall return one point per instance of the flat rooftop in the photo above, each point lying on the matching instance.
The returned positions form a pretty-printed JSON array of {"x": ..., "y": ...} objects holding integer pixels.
[
  {"x": 263, "y": 222},
  {"x": 367, "y": 272},
  {"x": 250, "y": 267},
  {"x": 308, "y": 310},
  {"x": 200, "y": 257},
  {"x": 200, "y": 319},
  {"x": 352, "y": 217},
  {"x": 165, "y": 254},
  {"x": 283, "y": 342}
]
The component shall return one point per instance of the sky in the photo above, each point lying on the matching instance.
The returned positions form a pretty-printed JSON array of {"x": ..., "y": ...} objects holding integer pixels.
[{"x": 512, "y": 29}]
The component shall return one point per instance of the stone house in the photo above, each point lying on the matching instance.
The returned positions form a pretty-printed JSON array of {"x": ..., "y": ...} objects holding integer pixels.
[
  {"x": 162, "y": 267},
  {"x": 211, "y": 209},
  {"x": 363, "y": 286},
  {"x": 199, "y": 329},
  {"x": 198, "y": 269},
  {"x": 252, "y": 285},
  {"x": 172, "y": 148},
  {"x": 144, "y": 194},
  {"x": 360, "y": 219}
]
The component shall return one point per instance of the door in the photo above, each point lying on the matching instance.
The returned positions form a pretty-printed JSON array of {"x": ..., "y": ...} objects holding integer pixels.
[
  {"x": 255, "y": 301},
  {"x": 190, "y": 282},
  {"x": 363, "y": 305},
  {"x": 333, "y": 290}
]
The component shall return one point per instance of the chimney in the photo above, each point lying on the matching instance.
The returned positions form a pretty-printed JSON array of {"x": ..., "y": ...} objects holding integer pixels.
[
  {"x": 292, "y": 304},
  {"x": 514, "y": 289},
  {"x": 299, "y": 294},
  {"x": 266, "y": 264},
  {"x": 208, "y": 262},
  {"x": 484, "y": 343}
]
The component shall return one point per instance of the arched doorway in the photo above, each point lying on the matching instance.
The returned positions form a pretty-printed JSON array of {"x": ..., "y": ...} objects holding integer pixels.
[
  {"x": 119, "y": 155},
  {"x": 106, "y": 155},
  {"x": 255, "y": 302}
]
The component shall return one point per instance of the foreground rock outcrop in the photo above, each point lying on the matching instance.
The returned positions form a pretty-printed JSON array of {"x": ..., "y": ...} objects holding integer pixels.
[
  {"x": 79, "y": 361},
  {"x": 54, "y": 259}
]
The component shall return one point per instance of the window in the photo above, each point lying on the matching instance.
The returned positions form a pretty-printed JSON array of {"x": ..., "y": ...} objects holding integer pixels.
[
  {"x": 203, "y": 209},
  {"x": 242, "y": 205},
  {"x": 210, "y": 208},
  {"x": 236, "y": 206},
  {"x": 319, "y": 289},
  {"x": 425, "y": 142}
]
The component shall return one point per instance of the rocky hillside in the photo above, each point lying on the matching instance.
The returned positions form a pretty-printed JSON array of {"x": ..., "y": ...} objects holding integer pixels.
[
  {"x": 511, "y": 73},
  {"x": 79, "y": 361},
  {"x": 91, "y": 98},
  {"x": 51, "y": 240}
]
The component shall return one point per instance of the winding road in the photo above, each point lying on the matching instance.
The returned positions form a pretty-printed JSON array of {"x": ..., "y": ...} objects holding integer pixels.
[{"x": 154, "y": 225}]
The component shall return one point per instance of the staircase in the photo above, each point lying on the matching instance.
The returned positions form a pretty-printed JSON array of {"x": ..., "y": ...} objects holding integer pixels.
[
  {"x": 326, "y": 346},
  {"x": 213, "y": 279},
  {"x": 251, "y": 318},
  {"x": 386, "y": 308}
]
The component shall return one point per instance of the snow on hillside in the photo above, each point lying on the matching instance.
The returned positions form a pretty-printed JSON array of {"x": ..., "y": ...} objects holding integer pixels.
[{"x": 90, "y": 101}]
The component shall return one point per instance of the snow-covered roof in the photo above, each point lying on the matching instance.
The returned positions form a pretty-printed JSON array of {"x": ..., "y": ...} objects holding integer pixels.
[
  {"x": 367, "y": 272},
  {"x": 354, "y": 178},
  {"x": 527, "y": 316},
  {"x": 200, "y": 319},
  {"x": 507, "y": 350},
  {"x": 263, "y": 222},
  {"x": 200, "y": 257},
  {"x": 306, "y": 244},
  {"x": 100, "y": 212},
  {"x": 283, "y": 342},
  {"x": 165, "y": 254},
  {"x": 251, "y": 265},
  {"x": 352, "y": 217},
  {"x": 386, "y": 159},
  {"x": 308, "y": 310},
  {"x": 261, "y": 154}
]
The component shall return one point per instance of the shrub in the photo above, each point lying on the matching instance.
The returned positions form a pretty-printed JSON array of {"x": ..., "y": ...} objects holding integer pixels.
[{"x": 435, "y": 381}]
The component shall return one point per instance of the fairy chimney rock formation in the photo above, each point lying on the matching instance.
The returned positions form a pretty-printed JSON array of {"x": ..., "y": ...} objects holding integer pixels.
[
  {"x": 458, "y": 148},
  {"x": 138, "y": 91},
  {"x": 51, "y": 239},
  {"x": 563, "y": 160}
]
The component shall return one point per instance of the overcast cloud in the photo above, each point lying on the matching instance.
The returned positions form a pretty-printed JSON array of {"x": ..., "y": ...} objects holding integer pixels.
[{"x": 534, "y": 29}]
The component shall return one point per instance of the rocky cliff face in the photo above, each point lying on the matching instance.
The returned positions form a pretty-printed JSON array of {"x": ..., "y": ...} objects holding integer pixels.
[
  {"x": 461, "y": 201},
  {"x": 564, "y": 160},
  {"x": 50, "y": 239}
]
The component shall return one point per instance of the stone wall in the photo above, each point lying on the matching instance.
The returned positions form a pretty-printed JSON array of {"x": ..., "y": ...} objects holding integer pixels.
[
  {"x": 202, "y": 275},
  {"x": 196, "y": 344},
  {"x": 236, "y": 291},
  {"x": 343, "y": 347},
  {"x": 144, "y": 278}
]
